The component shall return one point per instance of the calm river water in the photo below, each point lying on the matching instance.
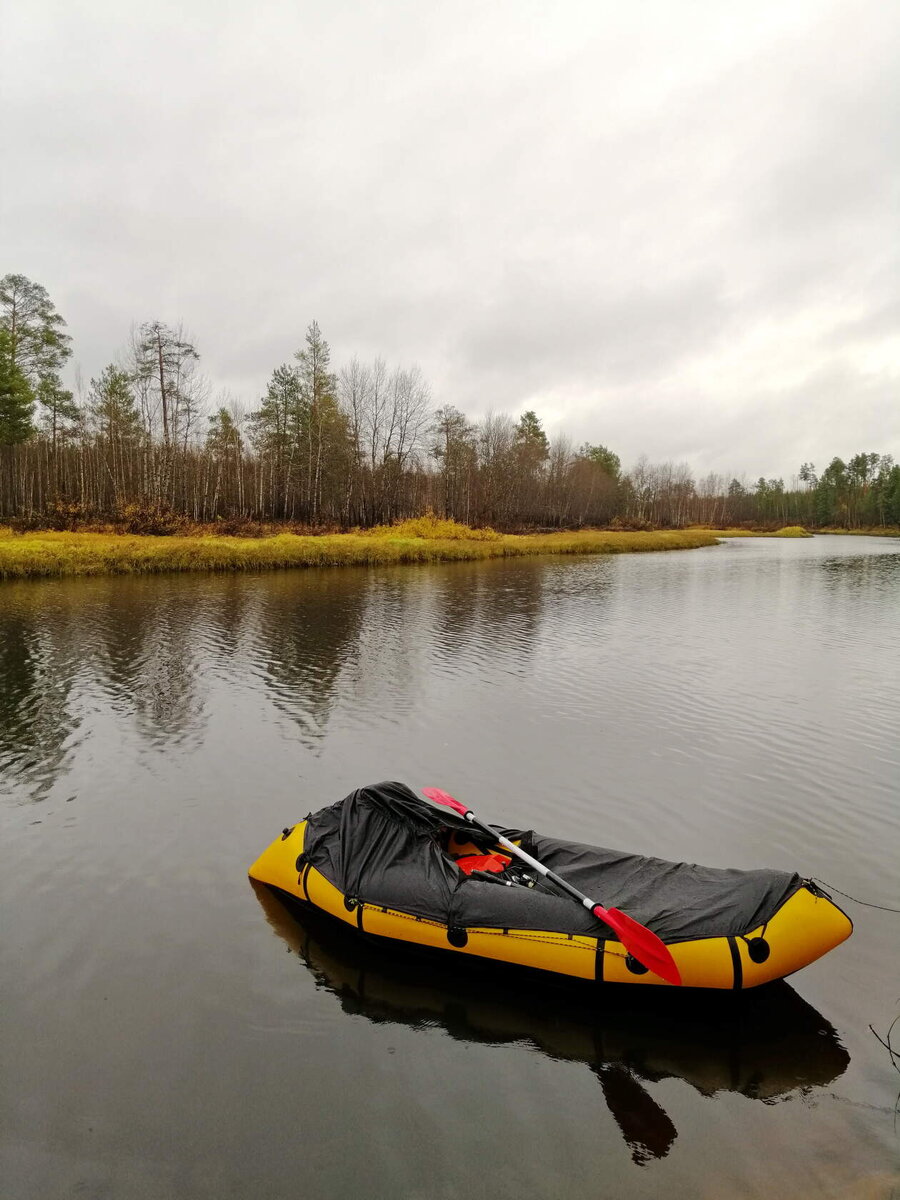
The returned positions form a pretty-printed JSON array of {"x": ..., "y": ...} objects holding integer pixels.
[{"x": 169, "y": 1033}]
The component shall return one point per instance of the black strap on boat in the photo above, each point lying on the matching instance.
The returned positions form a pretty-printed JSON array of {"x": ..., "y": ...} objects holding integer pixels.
[
  {"x": 598, "y": 961},
  {"x": 354, "y": 904},
  {"x": 736, "y": 963},
  {"x": 302, "y": 881}
]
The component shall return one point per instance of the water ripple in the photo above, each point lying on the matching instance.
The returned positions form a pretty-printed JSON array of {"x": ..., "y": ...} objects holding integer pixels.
[{"x": 739, "y": 706}]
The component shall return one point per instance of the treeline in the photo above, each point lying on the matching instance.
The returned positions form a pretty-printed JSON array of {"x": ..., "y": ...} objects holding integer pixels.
[{"x": 355, "y": 446}]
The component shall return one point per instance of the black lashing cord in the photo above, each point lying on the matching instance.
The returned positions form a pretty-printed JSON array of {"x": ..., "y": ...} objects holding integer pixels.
[{"x": 846, "y": 895}]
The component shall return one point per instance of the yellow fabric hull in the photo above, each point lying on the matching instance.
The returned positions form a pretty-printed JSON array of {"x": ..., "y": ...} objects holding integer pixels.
[{"x": 806, "y": 926}]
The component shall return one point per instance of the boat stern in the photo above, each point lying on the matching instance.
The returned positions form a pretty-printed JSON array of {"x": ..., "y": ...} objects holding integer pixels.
[
  {"x": 807, "y": 925},
  {"x": 277, "y": 865}
]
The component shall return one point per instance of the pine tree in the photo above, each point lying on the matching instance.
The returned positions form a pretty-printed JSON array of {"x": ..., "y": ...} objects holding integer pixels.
[
  {"x": 38, "y": 345},
  {"x": 275, "y": 430},
  {"x": 530, "y": 453},
  {"x": 603, "y": 458},
  {"x": 454, "y": 447},
  {"x": 16, "y": 397},
  {"x": 532, "y": 447},
  {"x": 118, "y": 425},
  {"x": 59, "y": 412},
  {"x": 224, "y": 446},
  {"x": 327, "y": 438},
  {"x": 113, "y": 408},
  {"x": 223, "y": 438}
]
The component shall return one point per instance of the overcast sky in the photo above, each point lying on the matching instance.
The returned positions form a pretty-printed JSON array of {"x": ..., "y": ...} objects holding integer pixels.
[{"x": 669, "y": 227}]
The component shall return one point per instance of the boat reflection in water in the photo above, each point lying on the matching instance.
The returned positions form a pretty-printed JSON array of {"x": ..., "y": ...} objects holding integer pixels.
[{"x": 764, "y": 1044}]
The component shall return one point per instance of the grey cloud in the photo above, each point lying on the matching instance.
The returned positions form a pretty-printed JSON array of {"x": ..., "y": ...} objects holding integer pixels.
[
  {"x": 654, "y": 225},
  {"x": 550, "y": 330},
  {"x": 837, "y": 410},
  {"x": 881, "y": 322}
]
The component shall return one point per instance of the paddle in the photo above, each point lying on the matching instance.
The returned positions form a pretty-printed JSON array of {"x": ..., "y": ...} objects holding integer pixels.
[{"x": 640, "y": 942}]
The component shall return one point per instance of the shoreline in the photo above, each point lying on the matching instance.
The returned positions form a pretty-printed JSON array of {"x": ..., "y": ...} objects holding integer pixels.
[
  {"x": 45, "y": 555},
  {"x": 879, "y": 531},
  {"x": 801, "y": 531},
  {"x": 788, "y": 531}
]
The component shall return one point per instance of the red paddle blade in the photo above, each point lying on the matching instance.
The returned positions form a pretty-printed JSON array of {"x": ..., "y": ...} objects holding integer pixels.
[
  {"x": 440, "y": 797},
  {"x": 641, "y": 943}
]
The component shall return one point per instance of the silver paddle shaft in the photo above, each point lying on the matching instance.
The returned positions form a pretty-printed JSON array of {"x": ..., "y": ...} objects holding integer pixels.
[{"x": 533, "y": 862}]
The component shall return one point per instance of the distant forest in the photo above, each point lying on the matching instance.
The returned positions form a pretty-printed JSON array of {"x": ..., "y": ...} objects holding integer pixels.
[{"x": 146, "y": 444}]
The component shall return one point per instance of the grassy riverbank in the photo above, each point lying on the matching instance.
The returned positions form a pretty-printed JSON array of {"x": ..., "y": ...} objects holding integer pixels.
[{"x": 41, "y": 554}]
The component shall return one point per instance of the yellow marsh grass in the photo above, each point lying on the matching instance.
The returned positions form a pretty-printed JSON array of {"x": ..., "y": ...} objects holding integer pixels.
[
  {"x": 33, "y": 555},
  {"x": 432, "y": 528}
]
